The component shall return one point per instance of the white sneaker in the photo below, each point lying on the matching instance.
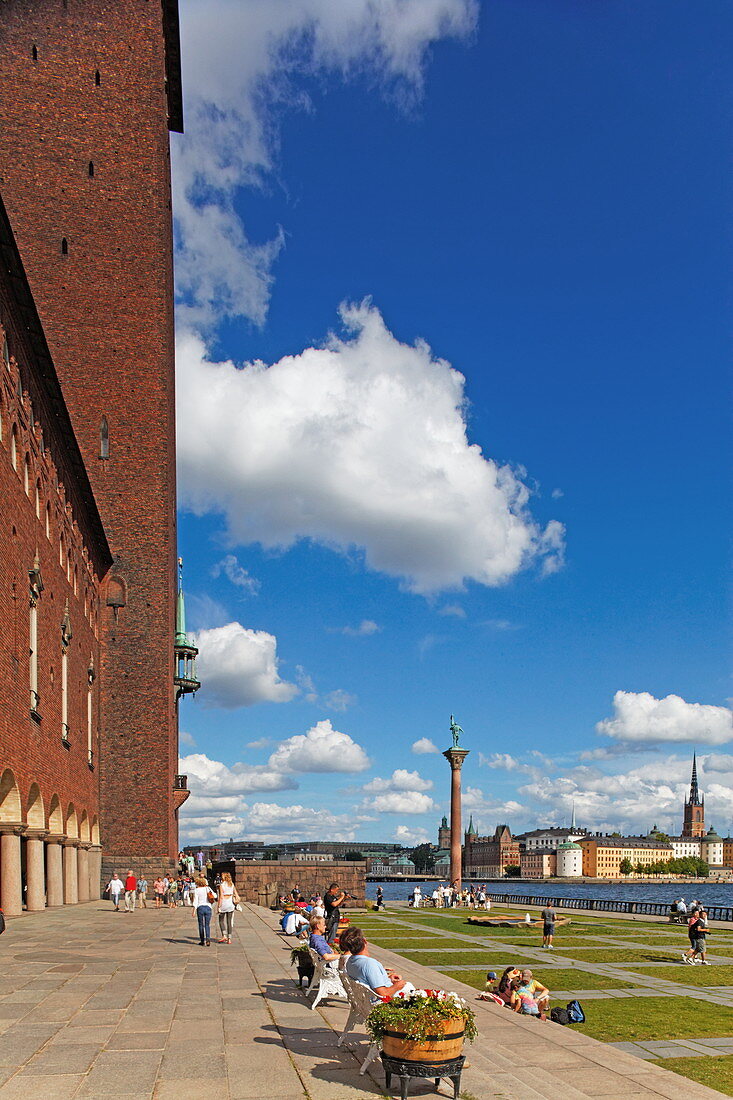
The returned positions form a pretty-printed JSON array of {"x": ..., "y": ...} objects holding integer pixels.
[{"x": 704, "y": 962}]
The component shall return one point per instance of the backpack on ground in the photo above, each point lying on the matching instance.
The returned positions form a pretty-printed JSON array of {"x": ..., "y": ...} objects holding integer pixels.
[
  {"x": 560, "y": 1016},
  {"x": 575, "y": 1012}
]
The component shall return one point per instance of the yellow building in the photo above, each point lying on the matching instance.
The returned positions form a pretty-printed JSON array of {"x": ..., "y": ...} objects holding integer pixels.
[{"x": 603, "y": 855}]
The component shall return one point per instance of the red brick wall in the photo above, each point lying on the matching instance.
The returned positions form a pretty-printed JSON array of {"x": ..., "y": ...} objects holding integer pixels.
[
  {"x": 256, "y": 878},
  {"x": 106, "y": 307},
  {"x": 33, "y": 750}
]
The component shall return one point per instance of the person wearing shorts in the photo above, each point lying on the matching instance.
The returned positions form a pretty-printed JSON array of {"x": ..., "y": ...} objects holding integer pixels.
[{"x": 548, "y": 927}]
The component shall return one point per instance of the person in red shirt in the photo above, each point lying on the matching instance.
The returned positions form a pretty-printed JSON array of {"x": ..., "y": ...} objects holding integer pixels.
[{"x": 130, "y": 892}]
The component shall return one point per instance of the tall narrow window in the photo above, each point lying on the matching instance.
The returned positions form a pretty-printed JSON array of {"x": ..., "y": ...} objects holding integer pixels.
[
  {"x": 91, "y": 677},
  {"x": 14, "y": 447},
  {"x": 65, "y": 641},
  {"x": 48, "y": 521},
  {"x": 64, "y": 247},
  {"x": 61, "y": 549},
  {"x": 91, "y": 169},
  {"x": 34, "y": 52},
  {"x": 38, "y": 497},
  {"x": 97, "y": 78},
  {"x": 104, "y": 438},
  {"x": 33, "y": 648},
  {"x": 27, "y": 475}
]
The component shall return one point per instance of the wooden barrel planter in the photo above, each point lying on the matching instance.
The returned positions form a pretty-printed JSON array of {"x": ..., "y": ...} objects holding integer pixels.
[{"x": 444, "y": 1046}]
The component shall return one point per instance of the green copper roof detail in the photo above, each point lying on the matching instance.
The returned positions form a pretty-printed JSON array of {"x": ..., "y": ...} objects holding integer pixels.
[
  {"x": 181, "y": 638},
  {"x": 471, "y": 830}
]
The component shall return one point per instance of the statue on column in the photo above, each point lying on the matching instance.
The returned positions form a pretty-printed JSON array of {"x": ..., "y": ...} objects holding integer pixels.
[{"x": 456, "y": 731}]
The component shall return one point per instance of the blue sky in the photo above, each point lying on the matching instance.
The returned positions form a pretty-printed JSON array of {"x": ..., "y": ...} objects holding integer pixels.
[{"x": 453, "y": 338}]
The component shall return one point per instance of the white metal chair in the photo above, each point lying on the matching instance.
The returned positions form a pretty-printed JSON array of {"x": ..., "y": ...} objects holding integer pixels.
[
  {"x": 326, "y": 980},
  {"x": 361, "y": 1002}
]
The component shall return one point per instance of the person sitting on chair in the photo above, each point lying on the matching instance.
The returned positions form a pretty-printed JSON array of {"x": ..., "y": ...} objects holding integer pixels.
[
  {"x": 362, "y": 968},
  {"x": 318, "y": 941}
]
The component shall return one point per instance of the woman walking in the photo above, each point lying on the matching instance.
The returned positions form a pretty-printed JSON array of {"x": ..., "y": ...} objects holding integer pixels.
[
  {"x": 227, "y": 899},
  {"x": 158, "y": 890},
  {"x": 203, "y": 896}
]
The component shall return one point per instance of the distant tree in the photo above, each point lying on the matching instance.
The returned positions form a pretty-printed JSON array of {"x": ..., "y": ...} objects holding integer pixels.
[
  {"x": 626, "y": 867},
  {"x": 271, "y": 853},
  {"x": 353, "y": 856},
  {"x": 512, "y": 870},
  {"x": 614, "y": 834},
  {"x": 424, "y": 858}
]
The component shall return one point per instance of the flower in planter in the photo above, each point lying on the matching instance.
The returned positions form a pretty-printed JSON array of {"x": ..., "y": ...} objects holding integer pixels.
[{"x": 419, "y": 1014}]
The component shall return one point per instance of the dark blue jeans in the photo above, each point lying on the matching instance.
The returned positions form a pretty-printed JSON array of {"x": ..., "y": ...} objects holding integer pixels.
[{"x": 204, "y": 915}]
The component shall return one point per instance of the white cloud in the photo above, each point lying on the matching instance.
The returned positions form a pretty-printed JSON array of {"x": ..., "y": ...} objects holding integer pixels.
[
  {"x": 260, "y": 743},
  {"x": 504, "y": 761},
  {"x": 239, "y": 667},
  {"x": 361, "y": 443},
  {"x": 187, "y": 739},
  {"x": 401, "y": 802},
  {"x": 321, "y": 749},
  {"x": 209, "y": 778},
  {"x": 641, "y": 717},
  {"x": 400, "y": 780},
  {"x": 556, "y": 494},
  {"x": 492, "y": 811},
  {"x": 411, "y": 835},
  {"x": 306, "y": 684},
  {"x": 453, "y": 609},
  {"x": 241, "y": 58},
  {"x": 236, "y": 573},
  {"x": 424, "y": 745},
  {"x": 265, "y": 822},
  {"x": 364, "y": 629},
  {"x": 340, "y": 700}
]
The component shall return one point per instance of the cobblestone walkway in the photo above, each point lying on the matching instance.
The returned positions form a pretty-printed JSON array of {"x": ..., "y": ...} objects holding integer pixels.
[{"x": 95, "y": 1003}]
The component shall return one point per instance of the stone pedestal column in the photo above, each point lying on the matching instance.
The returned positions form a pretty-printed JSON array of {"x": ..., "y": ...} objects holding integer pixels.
[
  {"x": 11, "y": 889},
  {"x": 54, "y": 870},
  {"x": 35, "y": 871},
  {"x": 82, "y": 869},
  {"x": 95, "y": 872},
  {"x": 71, "y": 873},
  {"x": 455, "y": 758}
]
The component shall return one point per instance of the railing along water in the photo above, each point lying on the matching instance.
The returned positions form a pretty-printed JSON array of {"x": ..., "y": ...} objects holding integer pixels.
[{"x": 640, "y": 908}]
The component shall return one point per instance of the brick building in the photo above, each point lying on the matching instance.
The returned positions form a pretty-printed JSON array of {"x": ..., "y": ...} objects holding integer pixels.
[
  {"x": 88, "y": 93},
  {"x": 489, "y": 856},
  {"x": 693, "y": 819}
]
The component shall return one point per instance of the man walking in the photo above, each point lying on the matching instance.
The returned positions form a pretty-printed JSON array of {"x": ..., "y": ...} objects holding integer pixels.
[
  {"x": 130, "y": 892},
  {"x": 115, "y": 886},
  {"x": 548, "y": 927},
  {"x": 142, "y": 892}
]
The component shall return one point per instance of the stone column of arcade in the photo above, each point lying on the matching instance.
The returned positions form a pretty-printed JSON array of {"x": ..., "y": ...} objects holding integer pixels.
[
  {"x": 11, "y": 884},
  {"x": 82, "y": 872},
  {"x": 455, "y": 758},
  {"x": 71, "y": 881},
  {"x": 54, "y": 870},
  {"x": 35, "y": 871},
  {"x": 95, "y": 872}
]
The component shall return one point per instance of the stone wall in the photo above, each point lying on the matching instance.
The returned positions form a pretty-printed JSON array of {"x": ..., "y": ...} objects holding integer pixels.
[{"x": 263, "y": 881}]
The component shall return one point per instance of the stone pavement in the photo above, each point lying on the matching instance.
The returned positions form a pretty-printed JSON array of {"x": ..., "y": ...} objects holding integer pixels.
[{"x": 95, "y": 1003}]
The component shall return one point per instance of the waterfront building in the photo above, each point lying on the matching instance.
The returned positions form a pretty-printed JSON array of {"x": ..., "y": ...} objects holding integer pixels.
[
  {"x": 537, "y": 862},
  {"x": 569, "y": 859},
  {"x": 549, "y": 837},
  {"x": 694, "y": 807},
  {"x": 712, "y": 849},
  {"x": 603, "y": 855},
  {"x": 444, "y": 834},
  {"x": 489, "y": 856},
  {"x": 87, "y": 453}
]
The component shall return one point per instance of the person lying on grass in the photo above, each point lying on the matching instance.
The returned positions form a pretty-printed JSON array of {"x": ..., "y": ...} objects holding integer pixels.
[{"x": 362, "y": 968}]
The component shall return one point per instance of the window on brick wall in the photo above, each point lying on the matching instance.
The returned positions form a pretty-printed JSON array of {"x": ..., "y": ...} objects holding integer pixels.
[
  {"x": 34, "y": 52},
  {"x": 14, "y": 447},
  {"x": 38, "y": 497},
  {"x": 64, "y": 247},
  {"x": 97, "y": 78},
  {"x": 91, "y": 169},
  {"x": 33, "y": 653},
  {"x": 48, "y": 521},
  {"x": 104, "y": 438},
  {"x": 27, "y": 475}
]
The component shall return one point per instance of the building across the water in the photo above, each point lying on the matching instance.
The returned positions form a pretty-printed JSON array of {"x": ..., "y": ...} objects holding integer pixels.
[{"x": 489, "y": 856}]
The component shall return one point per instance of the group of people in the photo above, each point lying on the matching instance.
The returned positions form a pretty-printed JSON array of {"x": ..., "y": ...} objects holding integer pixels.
[
  {"x": 300, "y": 911},
  {"x": 451, "y": 896},
  {"x": 170, "y": 892},
  {"x": 353, "y": 955},
  {"x": 697, "y": 932},
  {"x": 520, "y": 991}
]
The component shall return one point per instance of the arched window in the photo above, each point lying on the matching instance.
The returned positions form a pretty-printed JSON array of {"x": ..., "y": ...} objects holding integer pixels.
[
  {"x": 27, "y": 475},
  {"x": 14, "y": 447},
  {"x": 104, "y": 438}
]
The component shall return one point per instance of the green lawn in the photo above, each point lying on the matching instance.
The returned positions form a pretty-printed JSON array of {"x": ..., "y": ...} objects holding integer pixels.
[
  {"x": 690, "y": 975},
  {"x": 617, "y": 955},
  {"x": 715, "y": 1072},
  {"x": 629, "y": 1019},
  {"x": 553, "y": 979}
]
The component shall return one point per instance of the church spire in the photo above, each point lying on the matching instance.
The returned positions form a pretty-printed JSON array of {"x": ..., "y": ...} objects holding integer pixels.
[
  {"x": 572, "y": 820},
  {"x": 694, "y": 792},
  {"x": 185, "y": 679}
]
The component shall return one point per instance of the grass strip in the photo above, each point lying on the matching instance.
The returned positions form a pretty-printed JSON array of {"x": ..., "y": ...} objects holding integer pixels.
[
  {"x": 716, "y": 1072},
  {"x": 690, "y": 975},
  {"x": 553, "y": 979},
  {"x": 629, "y": 1020},
  {"x": 617, "y": 955}
]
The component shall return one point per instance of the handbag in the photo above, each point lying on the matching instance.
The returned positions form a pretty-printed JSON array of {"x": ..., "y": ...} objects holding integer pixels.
[{"x": 238, "y": 907}]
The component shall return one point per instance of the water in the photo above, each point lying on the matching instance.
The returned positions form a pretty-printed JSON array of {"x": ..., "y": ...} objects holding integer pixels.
[{"x": 714, "y": 893}]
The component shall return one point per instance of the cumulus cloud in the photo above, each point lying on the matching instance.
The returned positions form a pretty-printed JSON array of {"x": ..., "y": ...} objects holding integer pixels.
[
  {"x": 401, "y": 802},
  {"x": 452, "y": 609},
  {"x": 339, "y": 700},
  {"x": 239, "y": 667},
  {"x": 641, "y": 717},
  {"x": 364, "y": 629},
  {"x": 411, "y": 835},
  {"x": 211, "y": 778},
  {"x": 424, "y": 745},
  {"x": 361, "y": 443},
  {"x": 241, "y": 61},
  {"x": 400, "y": 780},
  {"x": 187, "y": 739},
  {"x": 504, "y": 761},
  {"x": 321, "y": 749},
  {"x": 229, "y": 566},
  {"x": 491, "y": 811},
  {"x": 266, "y": 822}
]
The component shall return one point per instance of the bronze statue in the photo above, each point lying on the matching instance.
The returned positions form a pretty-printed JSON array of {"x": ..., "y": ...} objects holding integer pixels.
[{"x": 455, "y": 730}]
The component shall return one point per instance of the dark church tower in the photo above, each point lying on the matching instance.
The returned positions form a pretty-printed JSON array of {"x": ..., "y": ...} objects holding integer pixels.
[
  {"x": 88, "y": 92},
  {"x": 694, "y": 814}
]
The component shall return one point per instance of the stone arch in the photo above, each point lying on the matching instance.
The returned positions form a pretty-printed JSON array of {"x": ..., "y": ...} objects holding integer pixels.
[
  {"x": 36, "y": 814},
  {"x": 95, "y": 830},
  {"x": 10, "y": 804},
  {"x": 55, "y": 816},
  {"x": 72, "y": 822},
  {"x": 84, "y": 826}
]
